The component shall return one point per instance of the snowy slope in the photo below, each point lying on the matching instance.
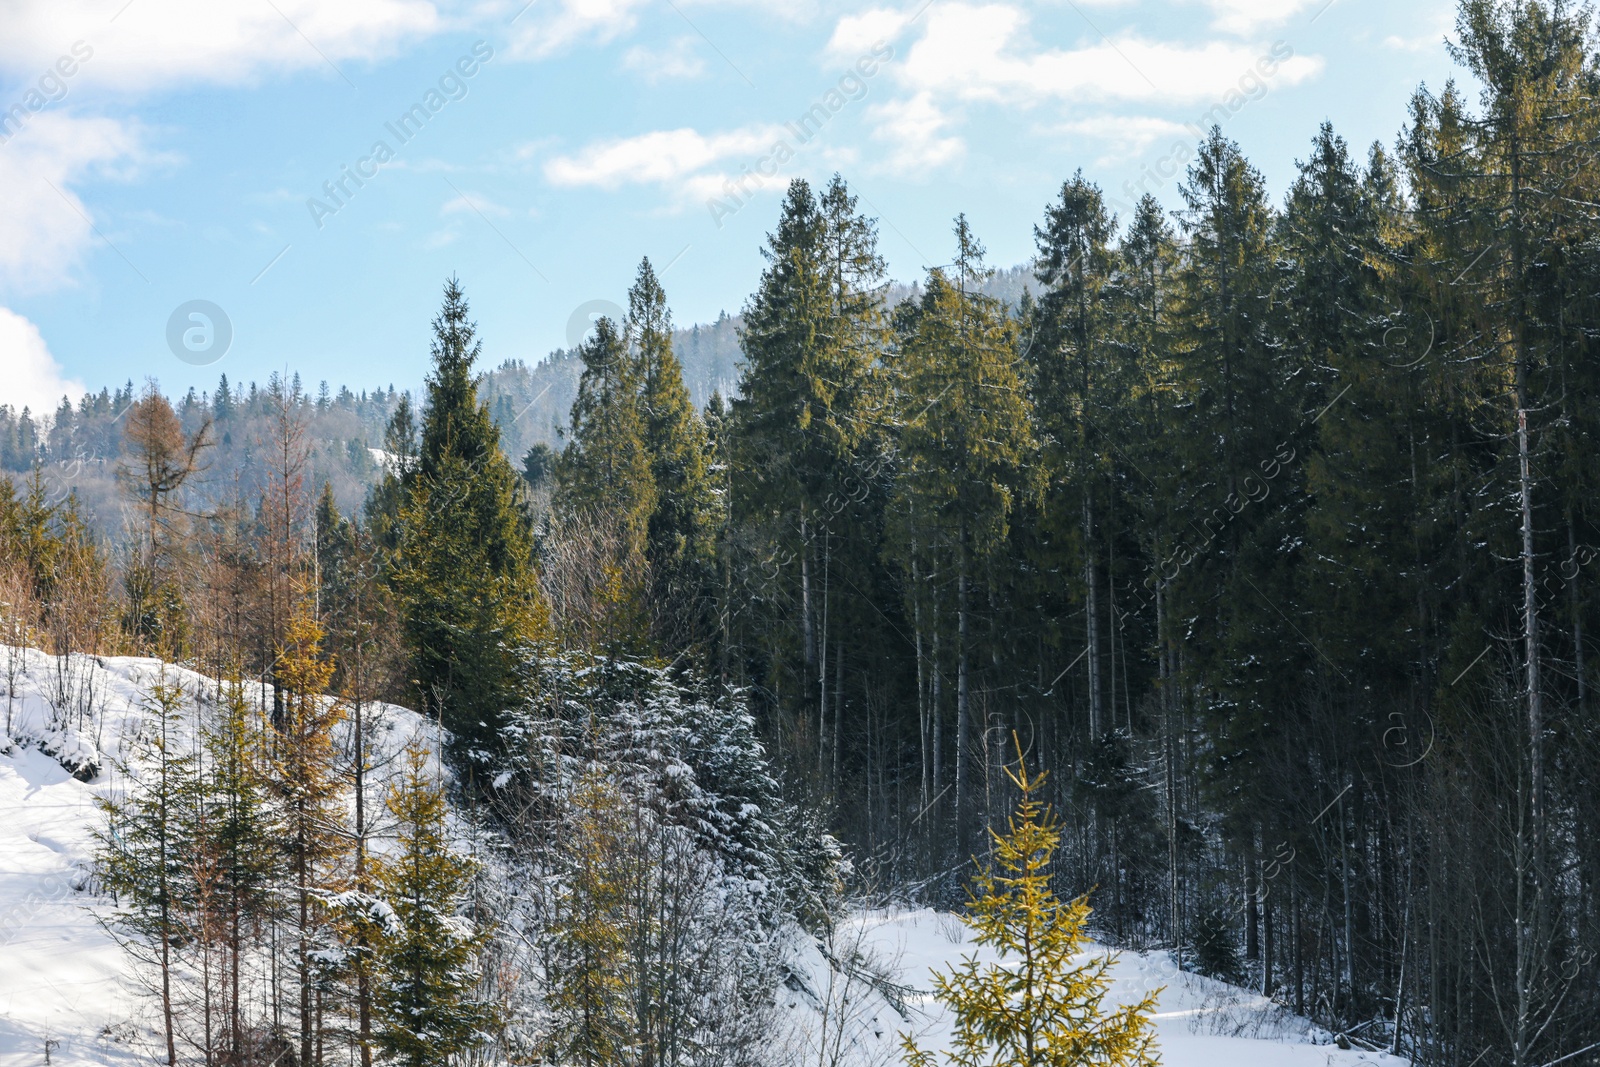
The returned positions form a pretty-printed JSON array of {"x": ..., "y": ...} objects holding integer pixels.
[
  {"x": 835, "y": 1022},
  {"x": 63, "y": 978}
]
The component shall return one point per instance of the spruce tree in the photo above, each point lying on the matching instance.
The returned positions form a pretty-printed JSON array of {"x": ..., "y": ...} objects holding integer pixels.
[
  {"x": 1036, "y": 1006},
  {"x": 240, "y": 818},
  {"x": 426, "y": 950},
  {"x": 471, "y": 608},
  {"x": 803, "y": 456},
  {"x": 1241, "y": 492},
  {"x": 1075, "y": 400},
  {"x": 679, "y": 540},
  {"x": 605, "y": 489},
  {"x": 966, "y": 458},
  {"x": 145, "y": 848},
  {"x": 388, "y": 495}
]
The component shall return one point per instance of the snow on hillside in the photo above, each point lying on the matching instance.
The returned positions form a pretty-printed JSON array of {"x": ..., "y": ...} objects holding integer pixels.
[
  {"x": 63, "y": 979},
  {"x": 839, "y": 1022},
  {"x": 65, "y": 983}
]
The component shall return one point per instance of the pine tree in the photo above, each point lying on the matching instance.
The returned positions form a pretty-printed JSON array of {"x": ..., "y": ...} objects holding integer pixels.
[
  {"x": 1035, "y": 1005},
  {"x": 425, "y": 952}
]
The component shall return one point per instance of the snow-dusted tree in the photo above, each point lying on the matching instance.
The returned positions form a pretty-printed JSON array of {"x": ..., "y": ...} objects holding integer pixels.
[
  {"x": 425, "y": 951},
  {"x": 588, "y": 995},
  {"x": 312, "y": 800},
  {"x": 145, "y": 845},
  {"x": 238, "y": 818}
]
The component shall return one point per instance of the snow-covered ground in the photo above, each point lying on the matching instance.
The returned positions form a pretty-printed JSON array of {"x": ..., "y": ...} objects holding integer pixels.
[
  {"x": 63, "y": 979},
  {"x": 836, "y": 1022}
]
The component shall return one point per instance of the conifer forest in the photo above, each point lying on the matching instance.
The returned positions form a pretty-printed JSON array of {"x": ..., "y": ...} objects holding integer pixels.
[{"x": 1229, "y": 569}]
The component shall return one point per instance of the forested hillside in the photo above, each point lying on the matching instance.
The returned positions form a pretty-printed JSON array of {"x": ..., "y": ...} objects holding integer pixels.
[{"x": 1266, "y": 525}]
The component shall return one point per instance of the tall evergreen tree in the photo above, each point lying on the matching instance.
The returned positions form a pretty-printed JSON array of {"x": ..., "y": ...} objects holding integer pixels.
[
  {"x": 1074, "y": 401},
  {"x": 679, "y": 539},
  {"x": 144, "y": 850},
  {"x": 605, "y": 487},
  {"x": 471, "y": 607},
  {"x": 966, "y": 460},
  {"x": 240, "y": 818},
  {"x": 803, "y": 452}
]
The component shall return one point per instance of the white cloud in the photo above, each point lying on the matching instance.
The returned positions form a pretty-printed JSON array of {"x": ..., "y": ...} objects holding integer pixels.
[
  {"x": 151, "y": 43},
  {"x": 969, "y": 54},
  {"x": 1245, "y": 17},
  {"x": 32, "y": 376},
  {"x": 973, "y": 52},
  {"x": 45, "y": 227},
  {"x": 1126, "y": 135},
  {"x": 538, "y": 32},
  {"x": 728, "y": 189},
  {"x": 854, "y": 35},
  {"x": 661, "y": 156},
  {"x": 913, "y": 130},
  {"x": 677, "y": 61},
  {"x": 474, "y": 203}
]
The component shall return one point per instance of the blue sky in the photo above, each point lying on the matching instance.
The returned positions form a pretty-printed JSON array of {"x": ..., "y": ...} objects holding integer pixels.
[{"x": 179, "y": 158}]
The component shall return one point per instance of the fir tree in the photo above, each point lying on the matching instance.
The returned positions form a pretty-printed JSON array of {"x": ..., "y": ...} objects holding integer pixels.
[
  {"x": 145, "y": 848},
  {"x": 471, "y": 608},
  {"x": 678, "y": 535},
  {"x": 1035, "y": 1006},
  {"x": 425, "y": 952}
]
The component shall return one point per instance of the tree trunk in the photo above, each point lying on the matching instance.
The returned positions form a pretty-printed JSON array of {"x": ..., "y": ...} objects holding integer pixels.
[
  {"x": 838, "y": 705},
  {"x": 166, "y": 988},
  {"x": 1578, "y": 668},
  {"x": 303, "y": 945},
  {"x": 1092, "y": 624},
  {"x": 363, "y": 982},
  {"x": 963, "y": 709},
  {"x": 922, "y": 689},
  {"x": 808, "y": 637},
  {"x": 1252, "y": 891},
  {"x": 1169, "y": 697}
]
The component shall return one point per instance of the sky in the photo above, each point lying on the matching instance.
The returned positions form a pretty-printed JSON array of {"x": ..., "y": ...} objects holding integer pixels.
[{"x": 197, "y": 187}]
